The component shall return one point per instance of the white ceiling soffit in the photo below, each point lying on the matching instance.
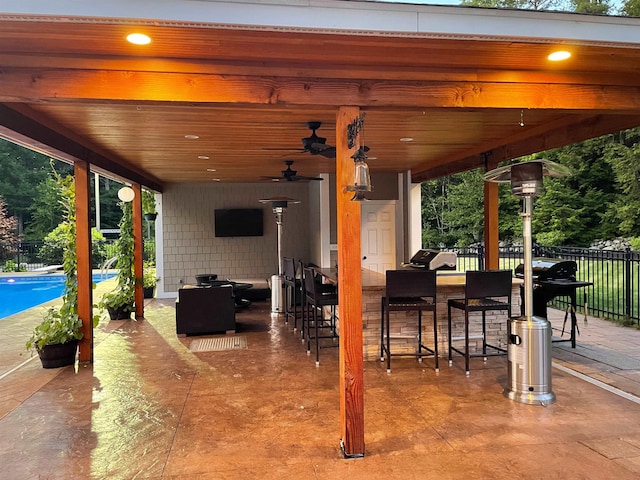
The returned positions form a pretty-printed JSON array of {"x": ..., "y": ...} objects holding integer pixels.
[{"x": 341, "y": 16}]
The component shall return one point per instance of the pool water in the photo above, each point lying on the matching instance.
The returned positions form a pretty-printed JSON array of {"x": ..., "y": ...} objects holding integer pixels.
[{"x": 20, "y": 292}]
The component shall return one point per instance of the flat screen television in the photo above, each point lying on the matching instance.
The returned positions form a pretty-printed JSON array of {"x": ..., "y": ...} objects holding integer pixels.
[{"x": 238, "y": 222}]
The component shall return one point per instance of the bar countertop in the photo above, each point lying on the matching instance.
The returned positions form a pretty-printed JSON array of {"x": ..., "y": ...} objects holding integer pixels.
[{"x": 372, "y": 279}]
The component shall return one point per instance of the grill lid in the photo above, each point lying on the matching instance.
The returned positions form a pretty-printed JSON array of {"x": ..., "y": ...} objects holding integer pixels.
[{"x": 550, "y": 268}]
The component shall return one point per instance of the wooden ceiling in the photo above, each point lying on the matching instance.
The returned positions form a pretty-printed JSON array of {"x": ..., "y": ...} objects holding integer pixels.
[{"x": 77, "y": 89}]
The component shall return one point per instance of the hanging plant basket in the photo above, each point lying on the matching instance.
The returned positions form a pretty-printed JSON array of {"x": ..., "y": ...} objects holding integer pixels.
[
  {"x": 150, "y": 216},
  {"x": 58, "y": 355},
  {"x": 120, "y": 313}
]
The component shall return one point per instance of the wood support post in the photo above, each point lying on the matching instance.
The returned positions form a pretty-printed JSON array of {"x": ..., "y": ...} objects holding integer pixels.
[
  {"x": 349, "y": 294},
  {"x": 138, "y": 249},
  {"x": 491, "y": 219},
  {"x": 83, "y": 253}
]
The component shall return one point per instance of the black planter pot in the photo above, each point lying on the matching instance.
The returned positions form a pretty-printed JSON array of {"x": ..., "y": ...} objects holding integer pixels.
[
  {"x": 58, "y": 355},
  {"x": 120, "y": 313},
  {"x": 148, "y": 292},
  {"x": 150, "y": 216}
]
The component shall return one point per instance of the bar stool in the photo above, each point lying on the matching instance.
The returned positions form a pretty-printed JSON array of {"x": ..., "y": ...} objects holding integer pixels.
[
  {"x": 292, "y": 291},
  {"x": 482, "y": 288},
  {"x": 409, "y": 290},
  {"x": 317, "y": 296}
]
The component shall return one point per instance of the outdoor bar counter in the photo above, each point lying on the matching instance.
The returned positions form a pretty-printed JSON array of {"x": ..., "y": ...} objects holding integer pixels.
[{"x": 403, "y": 325}]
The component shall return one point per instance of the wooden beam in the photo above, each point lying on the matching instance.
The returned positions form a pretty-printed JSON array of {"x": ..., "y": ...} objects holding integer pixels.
[
  {"x": 316, "y": 70},
  {"x": 83, "y": 253},
  {"x": 349, "y": 294},
  {"x": 538, "y": 140},
  {"x": 138, "y": 249},
  {"x": 106, "y": 85},
  {"x": 491, "y": 219},
  {"x": 21, "y": 129}
]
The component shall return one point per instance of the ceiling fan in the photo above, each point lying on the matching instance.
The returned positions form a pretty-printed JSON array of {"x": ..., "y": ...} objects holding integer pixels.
[
  {"x": 313, "y": 144},
  {"x": 290, "y": 175},
  {"x": 317, "y": 145}
]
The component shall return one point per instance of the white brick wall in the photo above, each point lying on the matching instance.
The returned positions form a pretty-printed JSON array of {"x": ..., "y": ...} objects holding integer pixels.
[{"x": 189, "y": 244}]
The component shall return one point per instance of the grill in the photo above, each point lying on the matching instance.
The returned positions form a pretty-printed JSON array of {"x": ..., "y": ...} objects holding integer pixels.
[
  {"x": 554, "y": 278},
  {"x": 433, "y": 260}
]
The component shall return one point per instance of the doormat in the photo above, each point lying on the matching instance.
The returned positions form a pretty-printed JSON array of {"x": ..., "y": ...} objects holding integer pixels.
[{"x": 218, "y": 344}]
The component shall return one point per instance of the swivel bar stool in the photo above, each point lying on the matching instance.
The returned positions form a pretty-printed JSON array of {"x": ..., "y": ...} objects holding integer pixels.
[
  {"x": 482, "y": 290},
  {"x": 409, "y": 290},
  {"x": 292, "y": 292}
]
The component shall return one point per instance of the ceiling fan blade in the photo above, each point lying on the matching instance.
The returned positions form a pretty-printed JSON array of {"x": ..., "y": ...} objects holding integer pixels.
[{"x": 306, "y": 179}]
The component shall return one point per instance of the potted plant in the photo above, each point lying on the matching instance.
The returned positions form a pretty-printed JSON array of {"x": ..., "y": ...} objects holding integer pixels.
[
  {"x": 149, "y": 279},
  {"x": 149, "y": 205},
  {"x": 56, "y": 337},
  {"x": 119, "y": 303}
]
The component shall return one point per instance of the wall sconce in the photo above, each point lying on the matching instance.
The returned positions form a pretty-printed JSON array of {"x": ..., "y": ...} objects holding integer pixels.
[{"x": 361, "y": 178}]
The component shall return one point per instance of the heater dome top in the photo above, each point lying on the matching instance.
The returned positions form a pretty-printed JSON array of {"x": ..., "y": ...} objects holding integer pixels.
[{"x": 549, "y": 169}]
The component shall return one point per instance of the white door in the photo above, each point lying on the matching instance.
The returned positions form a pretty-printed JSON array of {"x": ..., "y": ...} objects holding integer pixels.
[{"x": 378, "y": 242}]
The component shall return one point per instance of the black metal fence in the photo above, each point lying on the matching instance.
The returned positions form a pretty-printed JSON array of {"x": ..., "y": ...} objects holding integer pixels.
[
  {"x": 615, "y": 275},
  {"x": 28, "y": 256}
]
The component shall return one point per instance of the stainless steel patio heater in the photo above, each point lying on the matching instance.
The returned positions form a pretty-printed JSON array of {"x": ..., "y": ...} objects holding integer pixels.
[
  {"x": 529, "y": 338},
  {"x": 278, "y": 206}
]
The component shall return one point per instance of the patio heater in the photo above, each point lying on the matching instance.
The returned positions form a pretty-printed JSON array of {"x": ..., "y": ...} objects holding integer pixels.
[
  {"x": 278, "y": 206},
  {"x": 529, "y": 338}
]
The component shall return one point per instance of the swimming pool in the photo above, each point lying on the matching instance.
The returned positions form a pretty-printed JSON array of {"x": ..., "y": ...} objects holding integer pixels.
[{"x": 20, "y": 292}]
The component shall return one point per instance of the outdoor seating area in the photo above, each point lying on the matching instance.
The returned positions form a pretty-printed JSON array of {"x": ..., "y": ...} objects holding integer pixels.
[{"x": 151, "y": 408}]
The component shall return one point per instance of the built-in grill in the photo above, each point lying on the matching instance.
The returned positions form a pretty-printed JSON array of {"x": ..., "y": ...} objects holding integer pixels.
[
  {"x": 554, "y": 278},
  {"x": 433, "y": 260}
]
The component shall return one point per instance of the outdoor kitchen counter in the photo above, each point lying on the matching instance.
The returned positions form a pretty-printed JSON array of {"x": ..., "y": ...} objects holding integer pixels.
[{"x": 403, "y": 325}]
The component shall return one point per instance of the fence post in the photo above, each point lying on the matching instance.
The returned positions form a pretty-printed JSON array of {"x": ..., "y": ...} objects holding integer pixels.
[
  {"x": 480, "y": 257},
  {"x": 627, "y": 282}
]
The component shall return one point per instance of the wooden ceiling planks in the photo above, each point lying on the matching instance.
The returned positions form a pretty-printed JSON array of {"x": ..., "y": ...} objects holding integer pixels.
[{"x": 248, "y": 95}]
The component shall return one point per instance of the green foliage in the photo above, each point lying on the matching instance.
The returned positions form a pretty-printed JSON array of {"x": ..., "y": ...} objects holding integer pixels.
[
  {"x": 631, "y": 8},
  {"x": 148, "y": 202},
  {"x": 452, "y": 211},
  {"x": 52, "y": 250},
  {"x": 8, "y": 234},
  {"x": 11, "y": 266},
  {"x": 46, "y": 210},
  {"x": 635, "y": 244},
  {"x": 21, "y": 171},
  {"x": 150, "y": 277},
  {"x": 56, "y": 327},
  {"x": 123, "y": 294},
  {"x": 61, "y": 324}
]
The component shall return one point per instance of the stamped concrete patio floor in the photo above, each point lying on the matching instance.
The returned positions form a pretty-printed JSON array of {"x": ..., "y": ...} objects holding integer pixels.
[{"x": 149, "y": 408}]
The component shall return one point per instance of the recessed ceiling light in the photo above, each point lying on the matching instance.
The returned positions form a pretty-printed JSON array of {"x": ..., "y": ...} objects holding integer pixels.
[
  {"x": 406, "y": 139},
  {"x": 192, "y": 137},
  {"x": 138, "y": 39},
  {"x": 215, "y": 179},
  {"x": 559, "y": 55},
  {"x": 211, "y": 169},
  {"x": 275, "y": 179},
  {"x": 203, "y": 157}
]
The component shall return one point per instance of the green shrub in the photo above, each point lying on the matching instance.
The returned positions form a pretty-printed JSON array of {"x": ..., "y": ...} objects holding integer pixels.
[
  {"x": 52, "y": 250},
  {"x": 11, "y": 266},
  {"x": 635, "y": 244}
]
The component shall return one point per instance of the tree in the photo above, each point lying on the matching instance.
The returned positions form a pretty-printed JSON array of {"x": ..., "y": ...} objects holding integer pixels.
[
  {"x": 631, "y": 8},
  {"x": 8, "y": 235},
  {"x": 46, "y": 210},
  {"x": 21, "y": 171},
  {"x": 623, "y": 156}
]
